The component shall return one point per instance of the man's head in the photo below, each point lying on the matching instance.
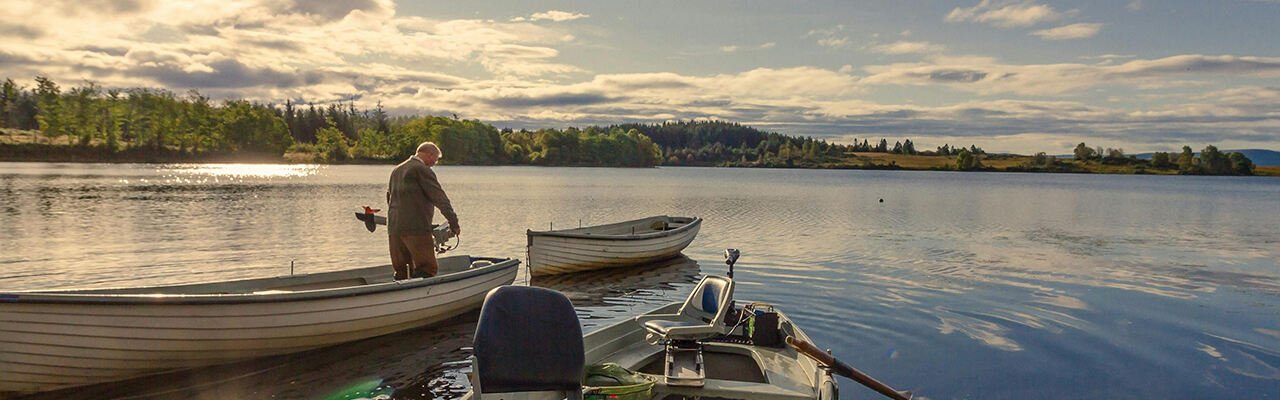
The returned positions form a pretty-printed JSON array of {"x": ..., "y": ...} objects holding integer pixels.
[{"x": 429, "y": 153}]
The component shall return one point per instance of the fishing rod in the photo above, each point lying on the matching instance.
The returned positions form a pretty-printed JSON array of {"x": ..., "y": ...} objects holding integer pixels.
[{"x": 846, "y": 370}]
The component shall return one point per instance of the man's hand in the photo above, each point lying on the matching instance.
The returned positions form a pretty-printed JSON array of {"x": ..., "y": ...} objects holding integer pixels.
[{"x": 456, "y": 230}]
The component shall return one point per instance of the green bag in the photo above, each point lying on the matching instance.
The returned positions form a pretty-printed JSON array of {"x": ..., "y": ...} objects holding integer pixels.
[{"x": 611, "y": 381}]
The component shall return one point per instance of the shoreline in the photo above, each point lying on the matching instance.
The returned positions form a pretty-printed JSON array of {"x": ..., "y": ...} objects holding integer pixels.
[{"x": 41, "y": 152}]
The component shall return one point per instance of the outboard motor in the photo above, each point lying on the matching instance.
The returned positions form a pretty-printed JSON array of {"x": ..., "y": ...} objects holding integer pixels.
[
  {"x": 441, "y": 233},
  {"x": 528, "y": 339}
]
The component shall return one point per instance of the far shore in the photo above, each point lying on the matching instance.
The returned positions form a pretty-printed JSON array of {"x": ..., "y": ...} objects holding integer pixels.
[{"x": 32, "y": 152}]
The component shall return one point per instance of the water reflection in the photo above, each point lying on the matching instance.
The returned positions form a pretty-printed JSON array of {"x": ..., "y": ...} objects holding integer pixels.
[{"x": 626, "y": 284}]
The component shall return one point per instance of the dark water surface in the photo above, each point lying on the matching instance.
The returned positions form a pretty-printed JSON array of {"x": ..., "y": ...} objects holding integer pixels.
[{"x": 958, "y": 285}]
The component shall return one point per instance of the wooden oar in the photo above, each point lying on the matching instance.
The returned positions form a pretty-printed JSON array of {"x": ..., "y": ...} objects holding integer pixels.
[{"x": 845, "y": 370}]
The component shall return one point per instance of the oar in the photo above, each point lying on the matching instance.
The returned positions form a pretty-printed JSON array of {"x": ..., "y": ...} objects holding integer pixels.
[{"x": 845, "y": 370}]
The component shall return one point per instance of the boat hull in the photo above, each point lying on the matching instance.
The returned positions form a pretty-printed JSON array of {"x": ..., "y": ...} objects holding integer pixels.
[
  {"x": 59, "y": 340},
  {"x": 550, "y": 254}
]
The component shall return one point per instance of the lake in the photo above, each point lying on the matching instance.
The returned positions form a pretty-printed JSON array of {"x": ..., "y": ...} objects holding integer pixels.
[{"x": 957, "y": 285}]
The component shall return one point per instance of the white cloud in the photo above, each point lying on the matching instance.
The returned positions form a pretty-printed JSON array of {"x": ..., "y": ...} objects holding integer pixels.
[
  {"x": 557, "y": 16},
  {"x": 908, "y": 47},
  {"x": 1005, "y": 15},
  {"x": 834, "y": 42},
  {"x": 986, "y": 76},
  {"x": 830, "y": 37},
  {"x": 768, "y": 45},
  {"x": 1073, "y": 31},
  {"x": 728, "y": 49},
  {"x": 825, "y": 32},
  {"x": 1134, "y": 5}
]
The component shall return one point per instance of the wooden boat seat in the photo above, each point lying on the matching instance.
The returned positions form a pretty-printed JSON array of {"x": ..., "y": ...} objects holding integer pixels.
[{"x": 701, "y": 315}]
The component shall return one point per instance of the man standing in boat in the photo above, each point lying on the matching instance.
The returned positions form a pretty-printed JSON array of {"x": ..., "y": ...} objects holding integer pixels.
[{"x": 412, "y": 197}]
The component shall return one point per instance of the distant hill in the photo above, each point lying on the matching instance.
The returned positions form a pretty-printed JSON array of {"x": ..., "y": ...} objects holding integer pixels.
[{"x": 1260, "y": 157}]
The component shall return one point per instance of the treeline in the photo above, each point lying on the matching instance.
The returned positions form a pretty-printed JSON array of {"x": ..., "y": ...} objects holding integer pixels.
[
  {"x": 160, "y": 122},
  {"x": 140, "y": 118},
  {"x": 702, "y": 143},
  {"x": 1210, "y": 161}
]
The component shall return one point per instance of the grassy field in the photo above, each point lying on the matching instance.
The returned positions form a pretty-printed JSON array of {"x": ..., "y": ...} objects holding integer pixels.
[{"x": 13, "y": 136}]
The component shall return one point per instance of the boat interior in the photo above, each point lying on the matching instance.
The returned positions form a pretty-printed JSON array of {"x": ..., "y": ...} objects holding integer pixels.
[
  {"x": 292, "y": 283},
  {"x": 735, "y": 353},
  {"x": 633, "y": 227}
]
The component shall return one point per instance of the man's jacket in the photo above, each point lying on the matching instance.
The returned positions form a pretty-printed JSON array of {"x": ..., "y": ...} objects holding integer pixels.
[{"x": 411, "y": 194}]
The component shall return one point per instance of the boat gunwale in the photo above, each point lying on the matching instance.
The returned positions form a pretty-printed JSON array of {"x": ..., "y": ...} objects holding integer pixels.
[
  {"x": 37, "y": 297},
  {"x": 566, "y": 233}
]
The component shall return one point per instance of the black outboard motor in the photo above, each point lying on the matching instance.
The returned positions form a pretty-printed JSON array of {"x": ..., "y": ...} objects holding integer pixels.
[
  {"x": 528, "y": 339},
  {"x": 731, "y": 257}
]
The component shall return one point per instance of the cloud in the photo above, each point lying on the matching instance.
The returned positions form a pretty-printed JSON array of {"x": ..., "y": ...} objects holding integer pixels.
[
  {"x": 557, "y": 16},
  {"x": 1006, "y": 15},
  {"x": 729, "y": 49},
  {"x": 513, "y": 73},
  {"x": 1134, "y": 5},
  {"x": 908, "y": 47},
  {"x": 1073, "y": 31},
  {"x": 986, "y": 76},
  {"x": 830, "y": 37},
  {"x": 19, "y": 30},
  {"x": 328, "y": 10},
  {"x": 834, "y": 42}
]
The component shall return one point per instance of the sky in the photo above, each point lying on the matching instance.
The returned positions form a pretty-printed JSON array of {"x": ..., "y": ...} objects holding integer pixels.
[{"x": 1008, "y": 76}]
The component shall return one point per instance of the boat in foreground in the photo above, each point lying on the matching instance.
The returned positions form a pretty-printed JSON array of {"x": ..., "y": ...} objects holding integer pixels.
[
  {"x": 66, "y": 338},
  {"x": 529, "y": 346},
  {"x": 612, "y": 245}
]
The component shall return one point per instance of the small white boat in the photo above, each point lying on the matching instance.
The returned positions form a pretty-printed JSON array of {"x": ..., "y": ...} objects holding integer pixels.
[
  {"x": 66, "y": 338},
  {"x": 529, "y": 346},
  {"x": 608, "y": 246}
]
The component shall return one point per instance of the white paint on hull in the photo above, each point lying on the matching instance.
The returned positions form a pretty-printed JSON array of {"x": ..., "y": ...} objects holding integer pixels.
[
  {"x": 610, "y": 247},
  {"x": 53, "y": 345}
]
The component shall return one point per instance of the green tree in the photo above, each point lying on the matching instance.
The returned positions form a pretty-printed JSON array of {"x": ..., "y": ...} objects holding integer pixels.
[
  {"x": 965, "y": 160},
  {"x": 49, "y": 115},
  {"x": 1240, "y": 165},
  {"x": 1083, "y": 152},
  {"x": 254, "y": 127},
  {"x": 331, "y": 145},
  {"x": 1186, "y": 161},
  {"x": 1160, "y": 160},
  {"x": 8, "y": 100},
  {"x": 1214, "y": 162},
  {"x": 199, "y": 124},
  {"x": 1040, "y": 159},
  {"x": 82, "y": 110}
]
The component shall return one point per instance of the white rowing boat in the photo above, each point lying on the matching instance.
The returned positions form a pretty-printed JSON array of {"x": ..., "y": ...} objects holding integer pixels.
[
  {"x": 608, "y": 246},
  {"x": 66, "y": 338}
]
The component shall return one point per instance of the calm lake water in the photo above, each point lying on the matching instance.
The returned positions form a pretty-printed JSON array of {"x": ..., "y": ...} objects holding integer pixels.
[{"x": 957, "y": 285}]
